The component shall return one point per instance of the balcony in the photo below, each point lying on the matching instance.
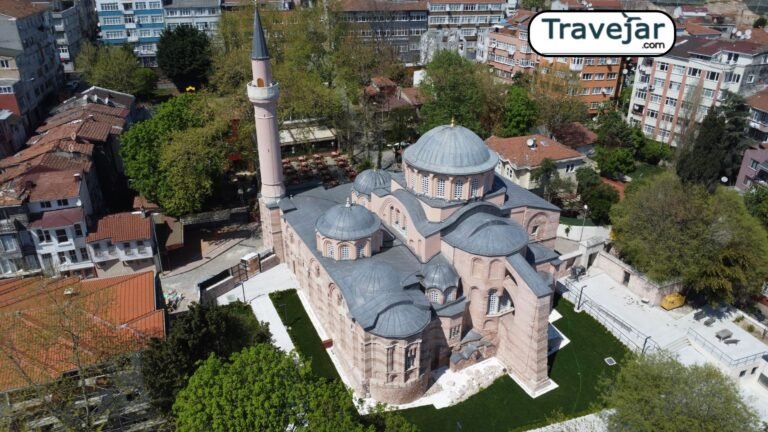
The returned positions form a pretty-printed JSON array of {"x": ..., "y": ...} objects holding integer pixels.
[
  {"x": 59, "y": 27},
  {"x": 263, "y": 93},
  {"x": 133, "y": 38},
  {"x": 130, "y": 25},
  {"x": 758, "y": 125}
]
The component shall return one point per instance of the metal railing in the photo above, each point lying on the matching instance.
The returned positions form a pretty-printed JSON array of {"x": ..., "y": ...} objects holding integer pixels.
[{"x": 720, "y": 354}]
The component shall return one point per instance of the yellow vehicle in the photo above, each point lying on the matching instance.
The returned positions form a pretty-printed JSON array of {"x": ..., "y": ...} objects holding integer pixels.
[{"x": 672, "y": 301}]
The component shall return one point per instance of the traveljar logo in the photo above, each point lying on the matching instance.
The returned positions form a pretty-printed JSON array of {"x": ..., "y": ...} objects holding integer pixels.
[{"x": 615, "y": 33}]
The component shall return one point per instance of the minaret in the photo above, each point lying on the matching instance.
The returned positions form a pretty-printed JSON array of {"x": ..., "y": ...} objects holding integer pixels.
[{"x": 263, "y": 94}]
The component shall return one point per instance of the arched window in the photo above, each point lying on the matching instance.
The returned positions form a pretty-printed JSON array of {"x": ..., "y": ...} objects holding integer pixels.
[
  {"x": 451, "y": 296},
  {"x": 329, "y": 250},
  {"x": 493, "y": 302},
  {"x": 434, "y": 296},
  {"x": 259, "y": 82},
  {"x": 345, "y": 252},
  {"x": 440, "y": 193},
  {"x": 425, "y": 185},
  {"x": 458, "y": 189},
  {"x": 397, "y": 217},
  {"x": 361, "y": 250},
  {"x": 474, "y": 188}
]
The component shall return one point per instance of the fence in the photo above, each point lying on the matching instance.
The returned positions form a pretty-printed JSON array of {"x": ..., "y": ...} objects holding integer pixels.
[
  {"x": 625, "y": 332},
  {"x": 719, "y": 354},
  {"x": 226, "y": 280}
]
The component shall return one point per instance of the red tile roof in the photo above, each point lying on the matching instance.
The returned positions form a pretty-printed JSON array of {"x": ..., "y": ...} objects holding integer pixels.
[
  {"x": 20, "y": 8},
  {"x": 759, "y": 100},
  {"x": 53, "y": 185},
  {"x": 122, "y": 227},
  {"x": 57, "y": 218},
  {"x": 112, "y": 316},
  {"x": 619, "y": 186},
  {"x": 516, "y": 150},
  {"x": 64, "y": 145},
  {"x": 413, "y": 95},
  {"x": 695, "y": 29},
  {"x": 694, "y": 8}
]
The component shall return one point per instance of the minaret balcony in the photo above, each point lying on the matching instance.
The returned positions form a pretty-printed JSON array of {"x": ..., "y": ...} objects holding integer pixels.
[{"x": 263, "y": 93}]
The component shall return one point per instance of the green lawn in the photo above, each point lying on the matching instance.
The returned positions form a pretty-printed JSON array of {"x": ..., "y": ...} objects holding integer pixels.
[
  {"x": 503, "y": 406},
  {"x": 303, "y": 333},
  {"x": 645, "y": 171},
  {"x": 575, "y": 222}
]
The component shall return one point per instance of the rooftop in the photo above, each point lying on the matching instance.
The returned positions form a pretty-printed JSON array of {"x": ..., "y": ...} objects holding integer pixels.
[
  {"x": 517, "y": 152},
  {"x": 450, "y": 150},
  {"x": 57, "y": 218},
  {"x": 114, "y": 315},
  {"x": 121, "y": 227},
  {"x": 685, "y": 47},
  {"x": 20, "y": 8},
  {"x": 759, "y": 100},
  {"x": 52, "y": 185}
]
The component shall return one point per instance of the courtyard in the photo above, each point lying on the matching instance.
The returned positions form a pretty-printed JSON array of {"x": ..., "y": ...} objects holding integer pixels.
[{"x": 503, "y": 406}]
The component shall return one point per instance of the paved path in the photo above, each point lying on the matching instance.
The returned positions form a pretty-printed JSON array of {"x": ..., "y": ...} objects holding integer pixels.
[
  {"x": 257, "y": 291},
  {"x": 186, "y": 283}
]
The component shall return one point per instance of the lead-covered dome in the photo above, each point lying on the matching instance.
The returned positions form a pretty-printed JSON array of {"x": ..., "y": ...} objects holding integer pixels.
[
  {"x": 487, "y": 235},
  {"x": 347, "y": 222},
  {"x": 439, "y": 275},
  {"x": 451, "y": 150},
  {"x": 370, "y": 180}
]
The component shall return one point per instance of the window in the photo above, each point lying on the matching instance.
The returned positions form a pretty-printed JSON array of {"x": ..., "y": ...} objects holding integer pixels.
[
  {"x": 62, "y": 258},
  {"x": 662, "y": 66},
  {"x": 670, "y": 101},
  {"x": 109, "y": 6},
  {"x": 474, "y": 188},
  {"x": 594, "y": 105},
  {"x": 508, "y": 171},
  {"x": 96, "y": 249},
  {"x": 345, "y": 252},
  {"x": 599, "y": 77},
  {"x": 157, "y": 5},
  {"x": 413, "y": 180},
  {"x": 712, "y": 76},
  {"x": 596, "y": 90},
  {"x": 674, "y": 86},
  {"x": 329, "y": 250},
  {"x": 440, "y": 188},
  {"x": 61, "y": 236},
  {"x": 648, "y": 129},
  {"x": 114, "y": 34},
  {"x": 84, "y": 254},
  {"x": 45, "y": 204},
  {"x": 361, "y": 250},
  {"x": 612, "y": 76},
  {"x": 43, "y": 236},
  {"x": 731, "y": 77},
  {"x": 6, "y": 89},
  {"x": 493, "y": 303},
  {"x": 750, "y": 78},
  {"x": 703, "y": 110},
  {"x": 534, "y": 230},
  {"x": 424, "y": 184},
  {"x": 140, "y": 246},
  {"x": 663, "y": 134},
  {"x": 658, "y": 84},
  {"x": 5, "y": 64},
  {"x": 62, "y": 202},
  {"x": 455, "y": 332},
  {"x": 127, "y": 248},
  {"x": 708, "y": 93},
  {"x": 570, "y": 167},
  {"x": 694, "y": 72},
  {"x": 652, "y": 113},
  {"x": 655, "y": 98},
  {"x": 410, "y": 357},
  {"x": 78, "y": 230},
  {"x": 8, "y": 242},
  {"x": 140, "y": 5},
  {"x": 434, "y": 296},
  {"x": 458, "y": 189},
  {"x": 753, "y": 164},
  {"x": 111, "y": 247},
  {"x": 113, "y": 20},
  {"x": 677, "y": 69},
  {"x": 73, "y": 256},
  {"x": 586, "y": 76},
  {"x": 640, "y": 94},
  {"x": 667, "y": 117}
]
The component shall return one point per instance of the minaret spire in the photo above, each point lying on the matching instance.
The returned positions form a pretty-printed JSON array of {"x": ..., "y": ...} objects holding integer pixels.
[{"x": 259, "y": 46}]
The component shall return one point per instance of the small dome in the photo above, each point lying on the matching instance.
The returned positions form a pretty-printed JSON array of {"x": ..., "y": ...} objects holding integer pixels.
[
  {"x": 347, "y": 222},
  {"x": 439, "y": 275},
  {"x": 487, "y": 235},
  {"x": 370, "y": 180},
  {"x": 372, "y": 279},
  {"x": 452, "y": 150}
]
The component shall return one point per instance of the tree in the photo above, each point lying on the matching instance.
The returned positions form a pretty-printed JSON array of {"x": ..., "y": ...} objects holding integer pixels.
[
  {"x": 614, "y": 162},
  {"x": 532, "y": 4},
  {"x": 557, "y": 96},
  {"x": 544, "y": 174},
  {"x": 202, "y": 331},
  {"x": 756, "y": 200},
  {"x": 709, "y": 242},
  {"x": 519, "y": 112},
  {"x": 262, "y": 388},
  {"x": 600, "y": 199},
  {"x": 716, "y": 151},
  {"x": 657, "y": 393},
  {"x": 115, "y": 68},
  {"x": 184, "y": 55},
  {"x": 587, "y": 178},
  {"x": 759, "y": 22},
  {"x": 453, "y": 93}
]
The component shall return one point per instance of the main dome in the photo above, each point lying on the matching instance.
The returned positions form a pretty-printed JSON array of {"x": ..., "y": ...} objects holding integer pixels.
[
  {"x": 347, "y": 222},
  {"x": 452, "y": 150},
  {"x": 370, "y": 180}
]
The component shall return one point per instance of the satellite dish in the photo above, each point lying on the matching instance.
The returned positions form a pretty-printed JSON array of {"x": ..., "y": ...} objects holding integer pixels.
[
  {"x": 531, "y": 142},
  {"x": 733, "y": 30},
  {"x": 739, "y": 33},
  {"x": 748, "y": 33}
]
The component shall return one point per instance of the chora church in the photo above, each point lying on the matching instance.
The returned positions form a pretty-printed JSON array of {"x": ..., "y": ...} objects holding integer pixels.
[{"x": 444, "y": 264}]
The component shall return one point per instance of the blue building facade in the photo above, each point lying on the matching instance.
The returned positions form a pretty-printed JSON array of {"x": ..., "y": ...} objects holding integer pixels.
[{"x": 138, "y": 23}]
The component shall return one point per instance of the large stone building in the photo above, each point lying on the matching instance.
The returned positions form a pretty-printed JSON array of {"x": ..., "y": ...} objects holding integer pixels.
[{"x": 441, "y": 265}]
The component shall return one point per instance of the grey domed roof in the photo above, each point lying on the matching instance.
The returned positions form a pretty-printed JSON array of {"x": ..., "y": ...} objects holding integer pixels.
[
  {"x": 401, "y": 320},
  {"x": 488, "y": 235},
  {"x": 347, "y": 222},
  {"x": 440, "y": 275},
  {"x": 453, "y": 150},
  {"x": 371, "y": 279},
  {"x": 370, "y": 180}
]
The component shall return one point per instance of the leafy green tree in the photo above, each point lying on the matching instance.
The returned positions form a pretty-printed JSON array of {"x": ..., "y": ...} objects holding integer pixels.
[
  {"x": 756, "y": 200},
  {"x": 533, "y": 4},
  {"x": 675, "y": 231},
  {"x": 453, "y": 92},
  {"x": 716, "y": 151},
  {"x": 654, "y": 152},
  {"x": 184, "y": 55},
  {"x": 142, "y": 144},
  {"x": 115, "y": 68},
  {"x": 262, "y": 388},
  {"x": 600, "y": 199},
  {"x": 202, "y": 331},
  {"x": 613, "y": 162},
  {"x": 657, "y": 393},
  {"x": 519, "y": 113},
  {"x": 759, "y": 22},
  {"x": 587, "y": 178},
  {"x": 544, "y": 174}
]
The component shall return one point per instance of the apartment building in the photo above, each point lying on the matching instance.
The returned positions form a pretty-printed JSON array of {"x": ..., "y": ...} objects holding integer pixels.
[
  {"x": 461, "y": 26},
  {"x": 754, "y": 169},
  {"x": 123, "y": 243},
  {"x": 201, "y": 14},
  {"x": 30, "y": 69},
  {"x": 137, "y": 23},
  {"x": 758, "y": 116},
  {"x": 400, "y": 24},
  {"x": 18, "y": 256},
  {"x": 12, "y": 134},
  {"x": 672, "y": 92}
]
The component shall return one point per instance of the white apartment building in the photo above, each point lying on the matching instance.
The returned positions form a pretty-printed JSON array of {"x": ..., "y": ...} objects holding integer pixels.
[
  {"x": 202, "y": 14},
  {"x": 461, "y": 26},
  {"x": 123, "y": 243},
  {"x": 674, "y": 90}
]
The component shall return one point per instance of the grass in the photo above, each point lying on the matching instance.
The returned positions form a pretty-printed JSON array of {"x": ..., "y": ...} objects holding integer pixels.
[
  {"x": 303, "y": 333},
  {"x": 503, "y": 406},
  {"x": 645, "y": 171},
  {"x": 575, "y": 222}
]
